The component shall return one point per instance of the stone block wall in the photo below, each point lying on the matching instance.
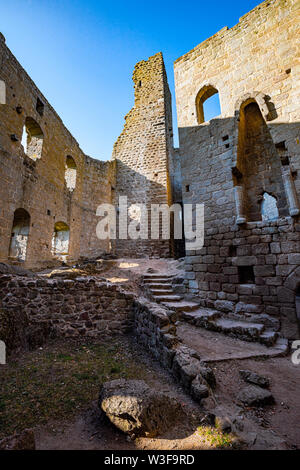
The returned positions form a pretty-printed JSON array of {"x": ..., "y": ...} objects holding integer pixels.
[
  {"x": 243, "y": 267},
  {"x": 38, "y": 185},
  {"x": 72, "y": 308}
]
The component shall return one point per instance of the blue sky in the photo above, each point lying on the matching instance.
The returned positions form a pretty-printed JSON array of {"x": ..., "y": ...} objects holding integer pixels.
[{"x": 81, "y": 53}]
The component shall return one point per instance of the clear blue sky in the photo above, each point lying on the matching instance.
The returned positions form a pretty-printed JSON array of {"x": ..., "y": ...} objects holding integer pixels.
[{"x": 81, "y": 53}]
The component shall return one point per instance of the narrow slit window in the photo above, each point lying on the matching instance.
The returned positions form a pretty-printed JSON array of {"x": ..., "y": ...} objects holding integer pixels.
[
  {"x": 246, "y": 275},
  {"x": 40, "y": 107},
  {"x": 70, "y": 173}
]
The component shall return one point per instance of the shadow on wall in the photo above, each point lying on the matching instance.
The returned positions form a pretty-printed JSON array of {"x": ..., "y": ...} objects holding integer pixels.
[
  {"x": 243, "y": 153},
  {"x": 147, "y": 190},
  {"x": 243, "y": 264}
]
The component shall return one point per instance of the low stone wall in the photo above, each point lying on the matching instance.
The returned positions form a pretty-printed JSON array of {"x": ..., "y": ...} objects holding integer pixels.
[
  {"x": 81, "y": 307},
  {"x": 155, "y": 329},
  {"x": 93, "y": 308}
]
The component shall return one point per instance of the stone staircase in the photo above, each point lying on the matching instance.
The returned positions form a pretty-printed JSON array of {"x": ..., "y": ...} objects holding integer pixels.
[{"x": 160, "y": 288}]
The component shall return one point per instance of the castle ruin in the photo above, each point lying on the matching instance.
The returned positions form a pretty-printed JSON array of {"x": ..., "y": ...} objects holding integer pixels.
[{"x": 244, "y": 165}]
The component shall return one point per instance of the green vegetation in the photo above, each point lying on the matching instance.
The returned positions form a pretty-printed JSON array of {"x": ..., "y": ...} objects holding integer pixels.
[
  {"x": 214, "y": 437},
  {"x": 59, "y": 380}
]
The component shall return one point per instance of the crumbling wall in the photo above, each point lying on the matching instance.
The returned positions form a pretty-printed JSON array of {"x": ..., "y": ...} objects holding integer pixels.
[
  {"x": 253, "y": 62},
  {"x": 143, "y": 150},
  {"x": 38, "y": 184}
]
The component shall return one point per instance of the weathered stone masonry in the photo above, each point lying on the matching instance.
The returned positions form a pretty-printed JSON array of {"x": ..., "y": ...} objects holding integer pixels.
[
  {"x": 243, "y": 165},
  {"x": 231, "y": 162},
  {"x": 144, "y": 150},
  {"x": 92, "y": 308},
  {"x": 38, "y": 185},
  {"x": 56, "y": 185}
]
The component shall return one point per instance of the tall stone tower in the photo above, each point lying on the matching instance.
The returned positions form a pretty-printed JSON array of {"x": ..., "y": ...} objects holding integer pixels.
[{"x": 144, "y": 150}]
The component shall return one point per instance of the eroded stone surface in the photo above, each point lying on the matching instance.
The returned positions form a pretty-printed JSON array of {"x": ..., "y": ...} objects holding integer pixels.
[
  {"x": 136, "y": 409},
  {"x": 255, "y": 396}
]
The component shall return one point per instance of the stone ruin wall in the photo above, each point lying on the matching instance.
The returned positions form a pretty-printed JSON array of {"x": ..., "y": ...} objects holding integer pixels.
[
  {"x": 143, "y": 152},
  {"x": 253, "y": 62},
  {"x": 38, "y": 186},
  {"x": 89, "y": 307},
  {"x": 139, "y": 167}
]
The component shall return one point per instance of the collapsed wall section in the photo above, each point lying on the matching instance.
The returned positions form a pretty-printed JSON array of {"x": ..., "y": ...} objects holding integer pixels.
[{"x": 143, "y": 150}]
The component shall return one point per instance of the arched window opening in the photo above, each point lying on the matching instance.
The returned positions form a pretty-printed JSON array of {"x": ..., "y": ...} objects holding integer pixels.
[
  {"x": 32, "y": 139},
  {"x": 259, "y": 170},
  {"x": 60, "y": 241},
  {"x": 70, "y": 173},
  {"x": 269, "y": 209},
  {"x": 207, "y": 104},
  {"x": 19, "y": 235}
]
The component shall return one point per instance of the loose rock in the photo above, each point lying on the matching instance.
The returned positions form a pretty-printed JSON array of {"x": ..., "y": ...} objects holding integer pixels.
[
  {"x": 255, "y": 396},
  {"x": 254, "y": 378},
  {"x": 135, "y": 408}
]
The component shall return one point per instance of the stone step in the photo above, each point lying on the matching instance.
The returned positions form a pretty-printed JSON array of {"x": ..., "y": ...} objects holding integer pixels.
[
  {"x": 160, "y": 280},
  {"x": 240, "y": 329},
  {"x": 181, "y": 306},
  {"x": 167, "y": 298},
  {"x": 200, "y": 316},
  {"x": 161, "y": 291},
  {"x": 158, "y": 276},
  {"x": 268, "y": 337},
  {"x": 158, "y": 286}
]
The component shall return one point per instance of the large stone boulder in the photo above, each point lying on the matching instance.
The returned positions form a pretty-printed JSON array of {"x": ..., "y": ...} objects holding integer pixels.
[
  {"x": 136, "y": 409},
  {"x": 255, "y": 396}
]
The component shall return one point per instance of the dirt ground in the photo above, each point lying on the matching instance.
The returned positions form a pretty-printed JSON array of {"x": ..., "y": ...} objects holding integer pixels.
[
  {"x": 54, "y": 391},
  {"x": 229, "y": 355}
]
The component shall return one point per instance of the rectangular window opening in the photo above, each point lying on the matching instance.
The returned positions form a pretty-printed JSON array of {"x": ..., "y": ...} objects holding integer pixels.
[
  {"x": 246, "y": 275},
  {"x": 40, "y": 107},
  {"x": 281, "y": 146}
]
